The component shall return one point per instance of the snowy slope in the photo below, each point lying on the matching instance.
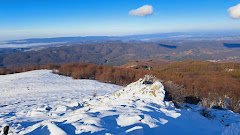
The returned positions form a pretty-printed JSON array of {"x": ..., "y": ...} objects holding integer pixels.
[
  {"x": 138, "y": 108},
  {"x": 25, "y": 98}
]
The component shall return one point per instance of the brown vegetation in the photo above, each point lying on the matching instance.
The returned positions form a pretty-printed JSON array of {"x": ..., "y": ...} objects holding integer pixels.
[
  {"x": 115, "y": 75},
  {"x": 215, "y": 85},
  {"x": 13, "y": 70}
]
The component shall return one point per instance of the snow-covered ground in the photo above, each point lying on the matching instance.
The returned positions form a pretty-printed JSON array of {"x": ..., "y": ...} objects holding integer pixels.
[
  {"x": 39, "y": 102},
  {"x": 27, "y": 98}
]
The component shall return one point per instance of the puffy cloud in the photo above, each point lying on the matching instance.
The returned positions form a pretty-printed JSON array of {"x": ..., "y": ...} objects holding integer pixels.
[
  {"x": 142, "y": 11},
  {"x": 234, "y": 11}
]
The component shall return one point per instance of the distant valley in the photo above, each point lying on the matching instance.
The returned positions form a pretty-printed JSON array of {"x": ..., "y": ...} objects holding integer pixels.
[{"x": 119, "y": 50}]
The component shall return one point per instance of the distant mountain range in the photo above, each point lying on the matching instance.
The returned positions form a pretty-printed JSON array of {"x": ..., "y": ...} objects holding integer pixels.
[
  {"x": 110, "y": 50},
  {"x": 233, "y": 35}
]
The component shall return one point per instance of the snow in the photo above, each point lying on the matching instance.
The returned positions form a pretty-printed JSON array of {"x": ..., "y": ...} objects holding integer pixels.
[
  {"x": 134, "y": 128},
  {"x": 29, "y": 97},
  {"x": 126, "y": 120},
  {"x": 39, "y": 102},
  {"x": 55, "y": 130},
  {"x": 233, "y": 129}
]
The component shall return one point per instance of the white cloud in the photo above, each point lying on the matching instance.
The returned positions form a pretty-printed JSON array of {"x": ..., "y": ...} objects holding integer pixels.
[
  {"x": 234, "y": 11},
  {"x": 142, "y": 11}
]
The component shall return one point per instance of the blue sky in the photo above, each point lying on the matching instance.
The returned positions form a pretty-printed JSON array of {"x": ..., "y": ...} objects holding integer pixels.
[{"x": 50, "y": 18}]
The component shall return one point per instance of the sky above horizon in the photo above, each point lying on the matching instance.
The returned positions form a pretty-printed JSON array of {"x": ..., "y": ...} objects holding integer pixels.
[{"x": 52, "y": 18}]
